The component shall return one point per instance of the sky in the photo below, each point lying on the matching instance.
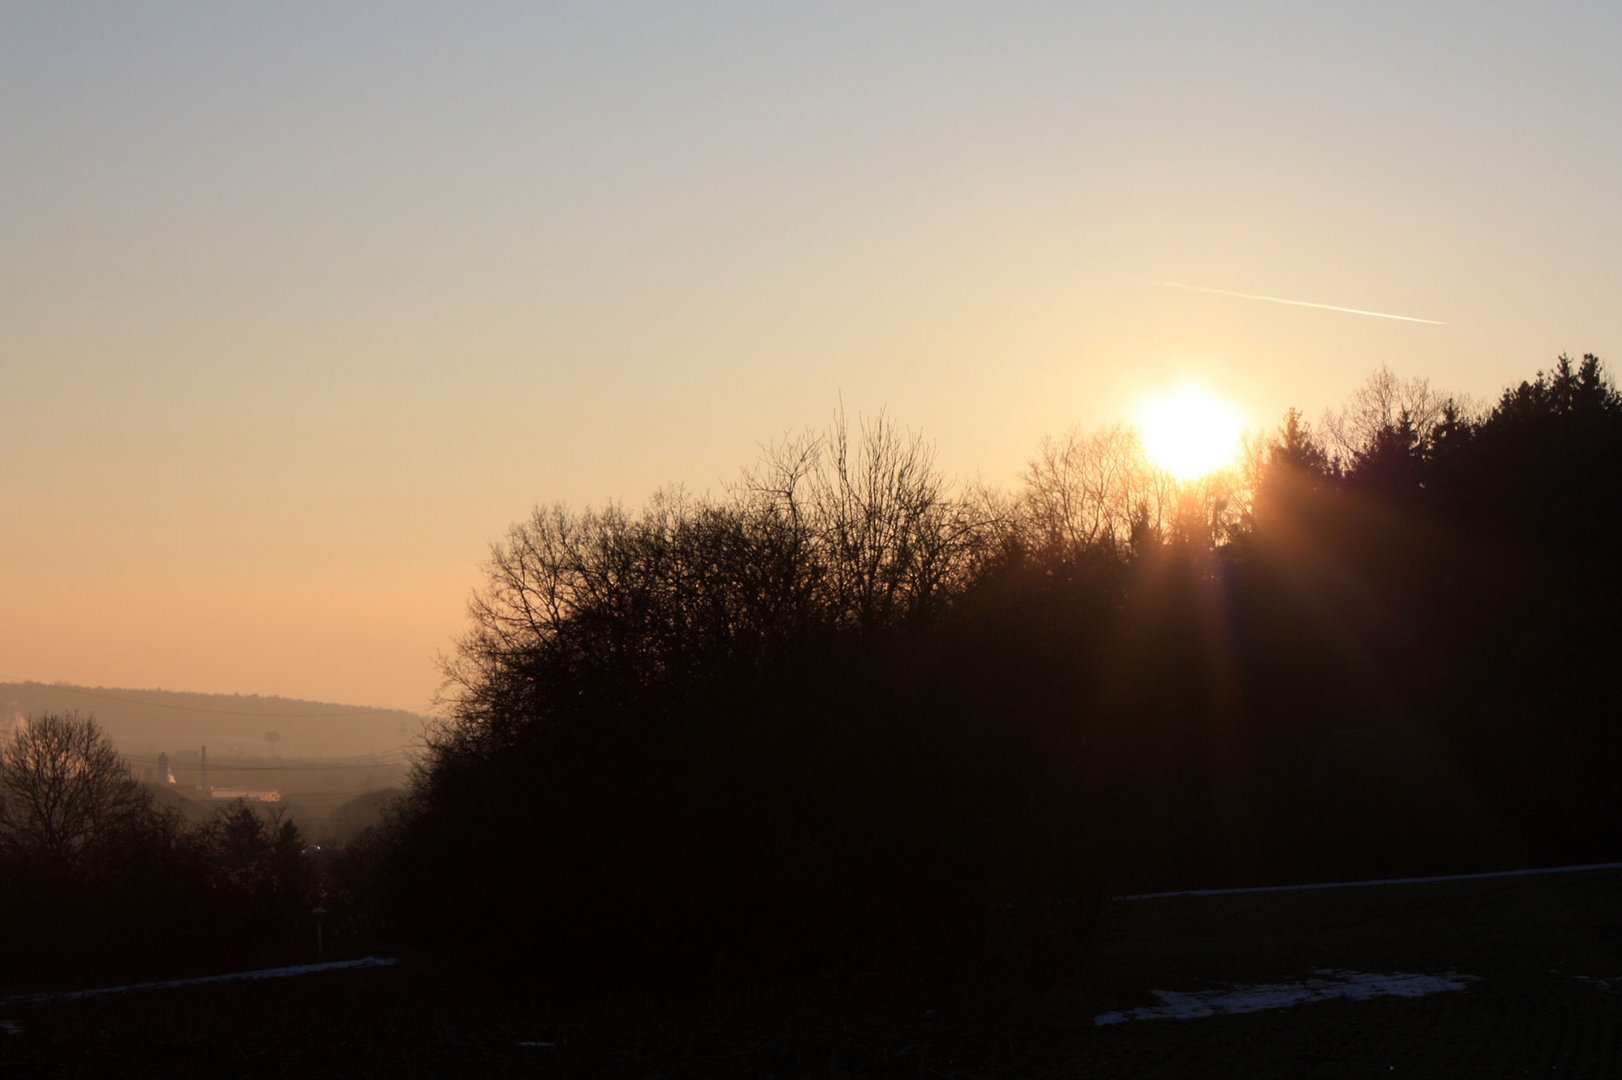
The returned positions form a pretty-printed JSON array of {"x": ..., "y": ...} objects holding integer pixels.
[{"x": 303, "y": 304}]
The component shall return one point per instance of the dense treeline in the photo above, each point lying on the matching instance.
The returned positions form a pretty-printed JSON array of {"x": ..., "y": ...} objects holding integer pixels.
[{"x": 850, "y": 715}]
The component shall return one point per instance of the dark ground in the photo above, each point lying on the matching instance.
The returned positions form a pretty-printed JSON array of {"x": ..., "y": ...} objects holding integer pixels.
[{"x": 1541, "y": 948}]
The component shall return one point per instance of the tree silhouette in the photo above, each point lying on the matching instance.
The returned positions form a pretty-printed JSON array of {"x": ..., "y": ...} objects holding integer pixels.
[
  {"x": 1379, "y": 405},
  {"x": 64, "y": 791},
  {"x": 848, "y": 712}
]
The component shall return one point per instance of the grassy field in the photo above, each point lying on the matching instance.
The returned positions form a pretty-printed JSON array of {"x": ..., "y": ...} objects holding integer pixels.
[{"x": 1545, "y": 953}]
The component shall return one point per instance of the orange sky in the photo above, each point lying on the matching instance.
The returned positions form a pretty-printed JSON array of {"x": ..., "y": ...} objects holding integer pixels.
[{"x": 303, "y": 305}]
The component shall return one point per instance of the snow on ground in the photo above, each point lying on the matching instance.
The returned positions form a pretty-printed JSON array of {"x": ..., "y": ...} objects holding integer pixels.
[
  {"x": 1325, "y": 985},
  {"x": 239, "y": 976}
]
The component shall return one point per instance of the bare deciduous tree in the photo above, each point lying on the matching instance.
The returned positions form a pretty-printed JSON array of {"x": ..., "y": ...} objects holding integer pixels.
[
  {"x": 884, "y": 536},
  {"x": 831, "y": 531},
  {"x": 1383, "y": 403},
  {"x": 65, "y": 789},
  {"x": 1092, "y": 492}
]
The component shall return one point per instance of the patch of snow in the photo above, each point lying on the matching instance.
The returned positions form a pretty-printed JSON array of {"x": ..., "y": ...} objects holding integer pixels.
[
  {"x": 1613, "y": 984},
  {"x": 538, "y": 1045},
  {"x": 11, "y": 1027},
  {"x": 1533, "y": 872},
  {"x": 170, "y": 984},
  {"x": 1325, "y": 985}
]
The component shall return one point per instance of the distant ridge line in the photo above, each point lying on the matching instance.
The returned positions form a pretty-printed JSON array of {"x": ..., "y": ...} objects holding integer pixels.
[
  {"x": 1531, "y": 872},
  {"x": 213, "y": 712}
]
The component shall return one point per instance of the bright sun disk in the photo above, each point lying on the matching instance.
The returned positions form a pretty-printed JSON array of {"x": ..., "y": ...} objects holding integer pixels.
[{"x": 1189, "y": 432}]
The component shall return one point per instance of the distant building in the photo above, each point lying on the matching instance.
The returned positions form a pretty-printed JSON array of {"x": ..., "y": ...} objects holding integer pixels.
[{"x": 231, "y": 794}]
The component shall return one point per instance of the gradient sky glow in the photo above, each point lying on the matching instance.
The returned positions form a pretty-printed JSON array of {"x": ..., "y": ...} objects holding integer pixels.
[{"x": 302, "y": 304}]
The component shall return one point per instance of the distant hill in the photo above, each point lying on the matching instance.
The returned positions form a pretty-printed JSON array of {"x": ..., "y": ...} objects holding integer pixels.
[{"x": 150, "y": 721}]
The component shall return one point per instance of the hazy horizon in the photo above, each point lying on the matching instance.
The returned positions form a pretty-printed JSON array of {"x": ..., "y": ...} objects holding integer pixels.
[
  {"x": 304, "y": 305},
  {"x": 144, "y": 721}
]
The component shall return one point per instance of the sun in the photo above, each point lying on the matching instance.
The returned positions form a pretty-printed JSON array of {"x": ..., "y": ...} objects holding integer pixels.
[{"x": 1189, "y": 432}]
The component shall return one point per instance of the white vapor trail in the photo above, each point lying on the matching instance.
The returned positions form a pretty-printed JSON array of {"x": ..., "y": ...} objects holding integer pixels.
[{"x": 1295, "y": 303}]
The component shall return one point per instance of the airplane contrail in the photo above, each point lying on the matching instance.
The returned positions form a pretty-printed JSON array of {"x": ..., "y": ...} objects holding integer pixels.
[{"x": 1295, "y": 303}]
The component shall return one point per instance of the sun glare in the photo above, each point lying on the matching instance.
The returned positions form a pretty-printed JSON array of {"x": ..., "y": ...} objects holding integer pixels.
[{"x": 1189, "y": 432}]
